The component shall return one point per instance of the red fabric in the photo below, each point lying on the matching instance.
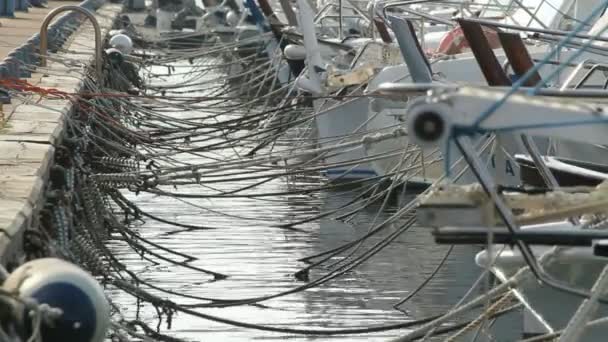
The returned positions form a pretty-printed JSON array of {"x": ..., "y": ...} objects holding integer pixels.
[{"x": 454, "y": 41}]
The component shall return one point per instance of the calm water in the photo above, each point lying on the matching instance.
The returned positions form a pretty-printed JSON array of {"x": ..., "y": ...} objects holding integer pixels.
[{"x": 261, "y": 259}]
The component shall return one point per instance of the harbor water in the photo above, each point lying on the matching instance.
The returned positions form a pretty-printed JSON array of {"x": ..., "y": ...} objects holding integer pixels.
[
  {"x": 246, "y": 242},
  {"x": 177, "y": 171}
]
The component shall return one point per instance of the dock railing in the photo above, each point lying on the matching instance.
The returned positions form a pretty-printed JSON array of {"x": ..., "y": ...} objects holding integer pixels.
[{"x": 21, "y": 60}]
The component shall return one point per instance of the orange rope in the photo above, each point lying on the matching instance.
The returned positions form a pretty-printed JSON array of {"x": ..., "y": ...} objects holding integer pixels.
[
  {"x": 21, "y": 85},
  {"x": 24, "y": 86}
]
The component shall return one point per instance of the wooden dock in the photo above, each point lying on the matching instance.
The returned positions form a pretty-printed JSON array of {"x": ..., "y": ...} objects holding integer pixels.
[
  {"x": 15, "y": 31},
  {"x": 33, "y": 126}
]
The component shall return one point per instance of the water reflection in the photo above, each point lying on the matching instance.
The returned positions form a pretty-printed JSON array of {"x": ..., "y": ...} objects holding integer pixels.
[{"x": 261, "y": 258}]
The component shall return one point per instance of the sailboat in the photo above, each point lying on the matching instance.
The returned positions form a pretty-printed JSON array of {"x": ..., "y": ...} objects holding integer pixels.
[
  {"x": 484, "y": 65},
  {"x": 350, "y": 64},
  {"x": 554, "y": 257},
  {"x": 542, "y": 219}
]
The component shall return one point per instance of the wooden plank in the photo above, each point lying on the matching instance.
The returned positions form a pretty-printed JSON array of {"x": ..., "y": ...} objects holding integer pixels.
[
  {"x": 26, "y": 141},
  {"x": 37, "y": 131}
]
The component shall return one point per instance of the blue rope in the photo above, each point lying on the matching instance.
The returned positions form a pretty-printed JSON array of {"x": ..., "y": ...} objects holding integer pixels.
[
  {"x": 460, "y": 130},
  {"x": 257, "y": 15},
  {"x": 568, "y": 61},
  {"x": 474, "y": 129},
  {"x": 521, "y": 81}
]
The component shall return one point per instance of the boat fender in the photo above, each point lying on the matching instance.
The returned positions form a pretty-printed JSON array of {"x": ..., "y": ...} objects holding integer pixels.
[
  {"x": 232, "y": 18},
  {"x": 295, "y": 52},
  {"x": 82, "y": 310}
]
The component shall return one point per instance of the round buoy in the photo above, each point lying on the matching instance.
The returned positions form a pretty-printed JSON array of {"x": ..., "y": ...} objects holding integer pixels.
[
  {"x": 115, "y": 56},
  {"x": 122, "y": 42},
  {"x": 62, "y": 285}
]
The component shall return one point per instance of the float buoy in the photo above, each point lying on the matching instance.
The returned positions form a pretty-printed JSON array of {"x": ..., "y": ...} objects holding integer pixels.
[
  {"x": 122, "y": 42},
  {"x": 85, "y": 312}
]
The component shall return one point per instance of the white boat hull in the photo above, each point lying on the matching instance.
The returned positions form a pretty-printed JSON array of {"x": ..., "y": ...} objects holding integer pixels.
[
  {"x": 339, "y": 123},
  {"x": 575, "y": 266}
]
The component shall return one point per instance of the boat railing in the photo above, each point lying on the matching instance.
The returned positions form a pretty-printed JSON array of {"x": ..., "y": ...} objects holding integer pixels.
[
  {"x": 552, "y": 32},
  {"x": 423, "y": 19},
  {"x": 511, "y": 12},
  {"x": 45, "y": 28},
  {"x": 325, "y": 14},
  {"x": 471, "y": 7},
  {"x": 532, "y": 12},
  {"x": 323, "y": 19},
  {"x": 588, "y": 68},
  {"x": 331, "y": 6}
]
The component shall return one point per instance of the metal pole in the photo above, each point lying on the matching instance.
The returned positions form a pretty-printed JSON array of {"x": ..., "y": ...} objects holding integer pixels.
[
  {"x": 340, "y": 19},
  {"x": 44, "y": 34},
  {"x": 289, "y": 13},
  {"x": 578, "y": 323}
]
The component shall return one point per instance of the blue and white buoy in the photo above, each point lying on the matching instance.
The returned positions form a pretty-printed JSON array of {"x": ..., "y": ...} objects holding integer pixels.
[{"x": 85, "y": 310}]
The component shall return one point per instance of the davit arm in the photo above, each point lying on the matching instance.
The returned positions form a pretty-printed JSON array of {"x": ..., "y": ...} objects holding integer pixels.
[{"x": 444, "y": 113}]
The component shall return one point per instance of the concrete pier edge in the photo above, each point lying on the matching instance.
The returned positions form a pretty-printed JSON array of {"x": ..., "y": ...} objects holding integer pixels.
[{"x": 31, "y": 132}]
